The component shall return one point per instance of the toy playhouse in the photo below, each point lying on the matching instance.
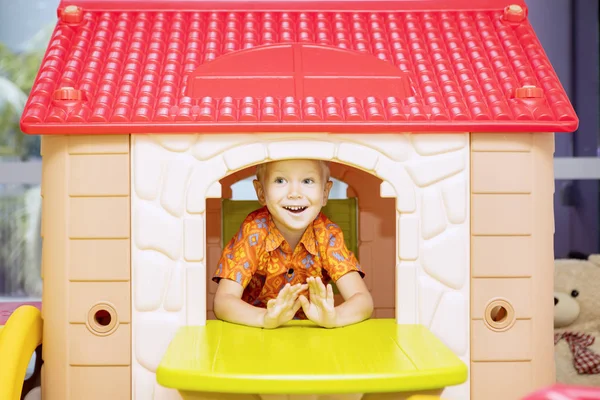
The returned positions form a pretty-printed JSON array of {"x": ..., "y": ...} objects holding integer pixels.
[{"x": 438, "y": 115}]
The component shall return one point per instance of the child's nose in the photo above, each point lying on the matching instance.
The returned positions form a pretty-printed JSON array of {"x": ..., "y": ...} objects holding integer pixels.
[
  {"x": 294, "y": 192},
  {"x": 294, "y": 195}
]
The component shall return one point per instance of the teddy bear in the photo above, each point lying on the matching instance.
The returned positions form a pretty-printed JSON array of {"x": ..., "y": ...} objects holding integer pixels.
[{"x": 577, "y": 320}]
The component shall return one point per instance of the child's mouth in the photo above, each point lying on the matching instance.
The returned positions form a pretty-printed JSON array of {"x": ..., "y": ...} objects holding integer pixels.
[{"x": 295, "y": 209}]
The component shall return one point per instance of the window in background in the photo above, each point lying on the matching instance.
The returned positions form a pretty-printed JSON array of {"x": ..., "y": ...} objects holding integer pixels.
[
  {"x": 20, "y": 242},
  {"x": 25, "y": 28},
  {"x": 569, "y": 32},
  {"x": 244, "y": 189}
]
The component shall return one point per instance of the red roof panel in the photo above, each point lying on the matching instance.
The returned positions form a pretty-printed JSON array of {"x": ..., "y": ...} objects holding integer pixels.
[{"x": 395, "y": 66}]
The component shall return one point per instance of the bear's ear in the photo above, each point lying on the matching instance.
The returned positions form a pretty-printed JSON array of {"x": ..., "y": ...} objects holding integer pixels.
[{"x": 594, "y": 259}]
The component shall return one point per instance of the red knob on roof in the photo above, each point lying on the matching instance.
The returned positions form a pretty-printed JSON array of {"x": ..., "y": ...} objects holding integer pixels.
[
  {"x": 72, "y": 15},
  {"x": 514, "y": 13},
  {"x": 67, "y": 93},
  {"x": 529, "y": 92}
]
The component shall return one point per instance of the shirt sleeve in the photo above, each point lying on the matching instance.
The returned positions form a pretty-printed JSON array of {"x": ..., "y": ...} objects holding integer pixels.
[
  {"x": 340, "y": 260},
  {"x": 239, "y": 259}
]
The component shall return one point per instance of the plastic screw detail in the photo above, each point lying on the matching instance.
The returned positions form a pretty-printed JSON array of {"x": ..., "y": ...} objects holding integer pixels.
[
  {"x": 514, "y": 13},
  {"x": 72, "y": 15}
]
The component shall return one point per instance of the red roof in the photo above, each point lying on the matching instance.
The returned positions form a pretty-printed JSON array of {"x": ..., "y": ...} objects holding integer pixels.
[{"x": 300, "y": 65}]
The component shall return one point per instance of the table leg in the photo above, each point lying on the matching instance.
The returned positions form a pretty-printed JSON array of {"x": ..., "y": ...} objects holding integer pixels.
[
  {"x": 426, "y": 395},
  {"x": 311, "y": 397},
  {"x": 218, "y": 396}
]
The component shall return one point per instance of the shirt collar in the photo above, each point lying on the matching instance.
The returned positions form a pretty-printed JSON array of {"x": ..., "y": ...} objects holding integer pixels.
[{"x": 275, "y": 237}]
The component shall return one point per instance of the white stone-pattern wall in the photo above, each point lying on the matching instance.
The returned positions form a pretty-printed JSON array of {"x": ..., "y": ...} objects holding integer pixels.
[{"x": 172, "y": 175}]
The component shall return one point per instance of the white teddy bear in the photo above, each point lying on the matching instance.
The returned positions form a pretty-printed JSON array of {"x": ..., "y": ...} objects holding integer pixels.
[{"x": 577, "y": 320}]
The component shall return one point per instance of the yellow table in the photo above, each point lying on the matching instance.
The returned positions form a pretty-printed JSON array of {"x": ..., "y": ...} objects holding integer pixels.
[{"x": 300, "y": 358}]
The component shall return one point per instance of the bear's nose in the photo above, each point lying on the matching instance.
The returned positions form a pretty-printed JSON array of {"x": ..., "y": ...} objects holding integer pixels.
[{"x": 555, "y": 301}]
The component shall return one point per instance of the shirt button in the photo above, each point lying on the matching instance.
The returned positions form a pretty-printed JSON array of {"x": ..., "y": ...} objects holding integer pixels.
[{"x": 290, "y": 271}]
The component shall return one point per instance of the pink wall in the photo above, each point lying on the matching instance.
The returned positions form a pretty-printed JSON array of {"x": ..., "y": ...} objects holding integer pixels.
[{"x": 377, "y": 236}]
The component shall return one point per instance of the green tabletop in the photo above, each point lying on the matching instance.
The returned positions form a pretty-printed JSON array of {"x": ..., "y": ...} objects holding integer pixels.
[{"x": 377, "y": 355}]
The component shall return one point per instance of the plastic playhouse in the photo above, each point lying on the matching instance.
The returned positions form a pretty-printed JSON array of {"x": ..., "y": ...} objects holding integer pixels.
[{"x": 438, "y": 115}]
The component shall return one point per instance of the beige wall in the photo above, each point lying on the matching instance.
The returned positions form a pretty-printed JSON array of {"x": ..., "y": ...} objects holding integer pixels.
[
  {"x": 86, "y": 267},
  {"x": 512, "y": 264}
]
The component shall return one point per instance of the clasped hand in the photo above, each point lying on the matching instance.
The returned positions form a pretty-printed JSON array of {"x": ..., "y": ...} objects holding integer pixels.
[{"x": 320, "y": 309}]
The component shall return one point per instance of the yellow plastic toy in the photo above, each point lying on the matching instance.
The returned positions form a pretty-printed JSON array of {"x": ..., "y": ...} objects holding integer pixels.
[{"x": 19, "y": 339}]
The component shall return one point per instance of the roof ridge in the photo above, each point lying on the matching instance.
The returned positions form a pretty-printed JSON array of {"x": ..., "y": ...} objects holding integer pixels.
[{"x": 291, "y": 5}]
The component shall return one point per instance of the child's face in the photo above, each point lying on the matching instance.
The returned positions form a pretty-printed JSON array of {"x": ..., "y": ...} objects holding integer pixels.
[{"x": 294, "y": 191}]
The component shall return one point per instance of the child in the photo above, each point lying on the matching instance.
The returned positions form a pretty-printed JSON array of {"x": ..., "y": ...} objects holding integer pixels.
[{"x": 285, "y": 248}]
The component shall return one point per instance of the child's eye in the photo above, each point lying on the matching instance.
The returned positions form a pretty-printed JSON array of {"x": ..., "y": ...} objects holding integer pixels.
[
  {"x": 308, "y": 181},
  {"x": 279, "y": 180}
]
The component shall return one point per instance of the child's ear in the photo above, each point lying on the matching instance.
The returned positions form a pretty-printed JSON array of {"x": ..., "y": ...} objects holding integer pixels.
[
  {"x": 328, "y": 186},
  {"x": 260, "y": 193}
]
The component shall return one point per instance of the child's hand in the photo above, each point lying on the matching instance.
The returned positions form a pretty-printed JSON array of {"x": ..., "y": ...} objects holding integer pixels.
[
  {"x": 284, "y": 307},
  {"x": 321, "y": 308}
]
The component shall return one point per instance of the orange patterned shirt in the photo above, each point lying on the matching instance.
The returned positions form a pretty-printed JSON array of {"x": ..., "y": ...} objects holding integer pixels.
[{"x": 259, "y": 258}]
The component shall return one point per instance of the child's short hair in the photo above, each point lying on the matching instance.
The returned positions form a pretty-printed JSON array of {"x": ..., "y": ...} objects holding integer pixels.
[{"x": 262, "y": 167}]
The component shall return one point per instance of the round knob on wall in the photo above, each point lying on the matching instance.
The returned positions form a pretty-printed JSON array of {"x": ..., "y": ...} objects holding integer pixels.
[
  {"x": 499, "y": 315},
  {"x": 102, "y": 319}
]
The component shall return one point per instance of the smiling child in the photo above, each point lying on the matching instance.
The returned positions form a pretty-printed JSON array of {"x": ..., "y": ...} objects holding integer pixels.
[{"x": 279, "y": 265}]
